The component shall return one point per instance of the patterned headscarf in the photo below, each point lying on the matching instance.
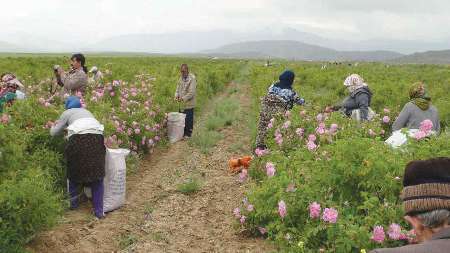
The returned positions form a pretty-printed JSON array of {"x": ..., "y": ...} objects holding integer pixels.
[
  {"x": 418, "y": 95},
  {"x": 354, "y": 82}
]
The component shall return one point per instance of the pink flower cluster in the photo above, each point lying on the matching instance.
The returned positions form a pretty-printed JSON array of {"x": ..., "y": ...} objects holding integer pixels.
[
  {"x": 237, "y": 211},
  {"x": 386, "y": 119},
  {"x": 394, "y": 233},
  {"x": 270, "y": 169},
  {"x": 282, "y": 209},
  {"x": 311, "y": 145},
  {"x": 261, "y": 152},
  {"x": 314, "y": 210},
  {"x": 300, "y": 132},
  {"x": 278, "y": 137},
  {"x": 243, "y": 175},
  {"x": 425, "y": 129},
  {"x": 329, "y": 215}
]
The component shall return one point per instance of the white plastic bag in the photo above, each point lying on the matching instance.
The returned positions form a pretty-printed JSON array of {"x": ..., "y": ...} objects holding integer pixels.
[
  {"x": 356, "y": 114},
  {"x": 398, "y": 138},
  {"x": 175, "y": 126},
  {"x": 115, "y": 179}
]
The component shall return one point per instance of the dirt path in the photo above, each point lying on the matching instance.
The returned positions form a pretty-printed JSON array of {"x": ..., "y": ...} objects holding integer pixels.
[{"x": 159, "y": 218}]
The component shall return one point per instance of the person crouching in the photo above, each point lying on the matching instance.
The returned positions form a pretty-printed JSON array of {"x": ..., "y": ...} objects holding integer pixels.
[
  {"x": 85, "y": 152},
  {"x": 280, "y": 98}
]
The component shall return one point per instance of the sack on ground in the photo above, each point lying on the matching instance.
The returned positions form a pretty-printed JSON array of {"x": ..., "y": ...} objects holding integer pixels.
[
  {"x": 356, "y": 114},
  {"x": 115, "y": 179},
  {"x": 175, "y": 126}
]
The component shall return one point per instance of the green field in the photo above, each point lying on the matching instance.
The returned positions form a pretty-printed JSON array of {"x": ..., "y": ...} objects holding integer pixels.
[{"x": 352, "y": 171}]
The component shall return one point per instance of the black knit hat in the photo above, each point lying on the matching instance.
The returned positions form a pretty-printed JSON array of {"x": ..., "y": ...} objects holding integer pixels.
[{"x": 426, "y": 185}]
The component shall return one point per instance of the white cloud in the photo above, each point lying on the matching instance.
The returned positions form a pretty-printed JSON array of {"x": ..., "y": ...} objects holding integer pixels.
[{"x": 93, "y": 20}]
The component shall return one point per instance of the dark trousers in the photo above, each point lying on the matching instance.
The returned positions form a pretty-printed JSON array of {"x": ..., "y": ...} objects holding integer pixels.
[
  {"x": 97, "y": 196},
  {"x": 189, "y": 122}
]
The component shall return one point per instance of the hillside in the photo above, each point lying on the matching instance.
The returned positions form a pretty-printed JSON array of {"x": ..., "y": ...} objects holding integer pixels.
[
  {"x": 295, "y": 50},
  {"x": 429, "y": 57}
]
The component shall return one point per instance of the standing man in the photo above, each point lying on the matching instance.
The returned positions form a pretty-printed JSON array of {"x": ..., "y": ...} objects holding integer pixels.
[{"x": 185, "y": 94}]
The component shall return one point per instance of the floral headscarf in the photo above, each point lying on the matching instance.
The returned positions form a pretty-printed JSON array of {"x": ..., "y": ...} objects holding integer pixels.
[
  {"x": 418, "y": 95},
  {"x": 354, "y": 82}
]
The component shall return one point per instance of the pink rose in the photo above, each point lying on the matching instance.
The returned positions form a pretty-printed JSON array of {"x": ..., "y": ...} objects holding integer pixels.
[
  {"x": 386, "y": 119},
  {"x": 394, "y": 231},
  {"x": 282, "y": 209},
  {"x": 378, "y": 234},
  {"x": 426, "y": 125},
  {"x": 262, "y": 230},
  {"x": 311, "y": 146},
  {"x": 320, "y": 117},
  {"x": 333, "y": 128},
  {"x": 314, "y": 210},
  {"x": 270, "y": 169},
  {"x": 420, "y": 135},
  {"x": 300, "y": 132},
  {"x": 242, "y": 219},
  {"x": 330, "y": 215},
  {"x": 237, "y": 212},
  {"x": 312, "y": 138},
  {"x": 243, "y": 175}
]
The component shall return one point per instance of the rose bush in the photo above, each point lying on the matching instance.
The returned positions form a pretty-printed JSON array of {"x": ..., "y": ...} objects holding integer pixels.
[
  {"x": 131, "y": 102},
  {"x": 338, "y": 181}
]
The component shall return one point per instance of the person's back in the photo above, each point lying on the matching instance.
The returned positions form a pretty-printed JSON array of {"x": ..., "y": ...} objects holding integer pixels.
[
  {"x": 411, "y": 117},
  {"x": 69, "y": 117}
]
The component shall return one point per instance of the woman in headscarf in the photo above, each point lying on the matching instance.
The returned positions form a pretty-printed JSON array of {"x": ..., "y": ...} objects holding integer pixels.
[
  {"x": 357, "y": 104},
  {"x": 76, "y": 80},
  {"x": 280, "y": 98},
  {"x": 418, "y": 109},
  {"x": 85, "y": 152}
]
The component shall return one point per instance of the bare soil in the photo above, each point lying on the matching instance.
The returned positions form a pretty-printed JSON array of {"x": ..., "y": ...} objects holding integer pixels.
[{"x": 157, "y": 216}]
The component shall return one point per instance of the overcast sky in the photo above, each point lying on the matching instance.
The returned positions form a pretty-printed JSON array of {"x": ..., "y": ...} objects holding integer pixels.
[{"x": 93, "y": 20}]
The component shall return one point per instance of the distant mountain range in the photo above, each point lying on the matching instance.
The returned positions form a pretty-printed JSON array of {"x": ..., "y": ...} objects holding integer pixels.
[
  {"x": 295, "y": 50},
  {"x": 287, "y": 43},
  {"x": 430, "y": 57}
]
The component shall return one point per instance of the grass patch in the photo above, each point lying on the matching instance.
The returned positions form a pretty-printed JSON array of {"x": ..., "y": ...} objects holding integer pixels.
[
  {"x": 159, "y": 237},
  {"x": 189, "y": 187},
  {"x": 205, "y": 140},
  {"x": 226, "y": 112},
  {"x": 127, "y": 240}
]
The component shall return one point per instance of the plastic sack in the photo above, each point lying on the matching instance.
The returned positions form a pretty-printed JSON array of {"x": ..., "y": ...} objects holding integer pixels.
[
  {"x": 175, "y": 126},
  {"x": 356, "y": 114},
  {"x": 115, "y": 179},
  {"x": 398, "y": 138}
]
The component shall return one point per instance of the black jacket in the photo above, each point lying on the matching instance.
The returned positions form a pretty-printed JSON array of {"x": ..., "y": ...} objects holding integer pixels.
[{"x": 358, "y": 99}]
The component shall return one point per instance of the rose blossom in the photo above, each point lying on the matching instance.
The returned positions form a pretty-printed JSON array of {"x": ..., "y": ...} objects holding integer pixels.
[
  {"x": 314, "y": 210},
  {"x": 330, "y": 215},
  {"x": 270, "y": 169},
  {"x": 378, "y": 234},
  {"x": 282, "y": 209}
]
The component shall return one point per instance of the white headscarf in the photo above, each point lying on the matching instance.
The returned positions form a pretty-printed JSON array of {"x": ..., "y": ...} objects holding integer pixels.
[{"x": 354, "y": 82}]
